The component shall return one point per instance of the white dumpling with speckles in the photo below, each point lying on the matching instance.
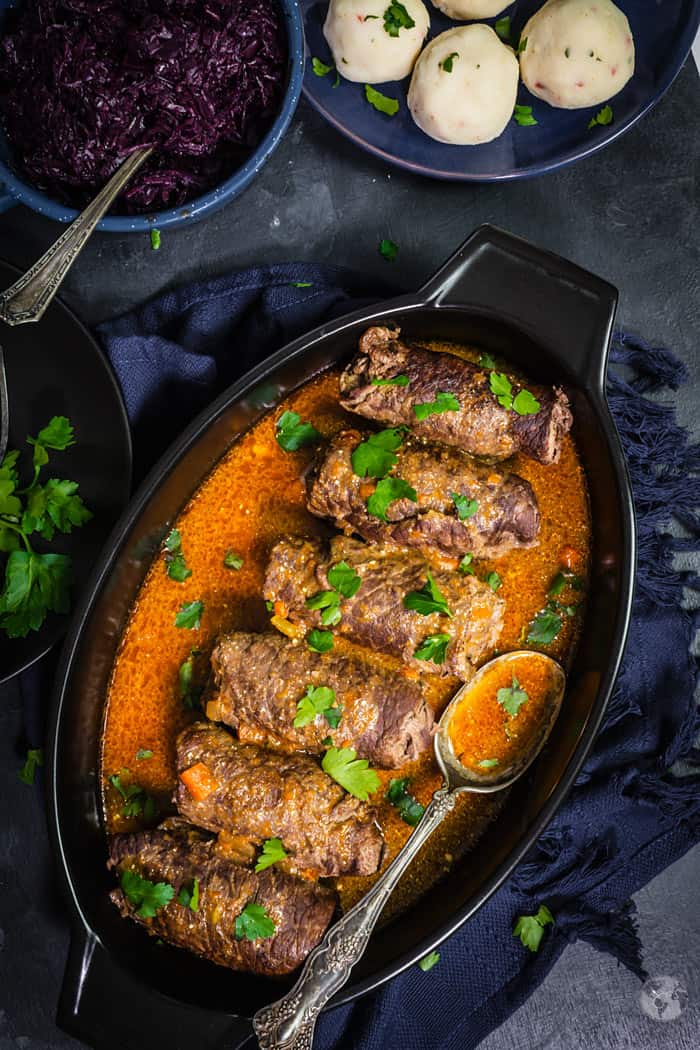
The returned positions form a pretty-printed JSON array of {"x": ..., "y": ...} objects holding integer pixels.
[
  {"x": 464, "y": 86},
  {"x": 465, "y": 10},
  {"x": 579, "y": 53},
  {"x": 363, "y": 50}
]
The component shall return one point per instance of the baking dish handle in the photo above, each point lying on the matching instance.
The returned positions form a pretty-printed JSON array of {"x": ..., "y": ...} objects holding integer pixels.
[
  {"x": 103, "y": 1005},
  {"x": 559, "y": 305}
]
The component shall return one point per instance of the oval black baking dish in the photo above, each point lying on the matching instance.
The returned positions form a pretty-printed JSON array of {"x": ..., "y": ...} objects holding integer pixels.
[{"x": 504, "y": 295}]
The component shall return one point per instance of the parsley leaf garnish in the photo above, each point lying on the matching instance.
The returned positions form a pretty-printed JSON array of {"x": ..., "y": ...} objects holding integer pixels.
[
  {"x": 429, "y": 599},
  {"x": 143, "y": 753},
  {"x": 188, "y": 896},
  {"x": 175, "y": 564},
  {"x": 400, "y": 380},
  {"x": 388, "y": 490},
  {"x": 434, "y": 648},
  {"x": 487, "y": 361},
  {"x": 272, "y": 852},
  {"x": 351, "y": 772},
  {"x": 292, "y": 434},
  {"x": 58, "y": 435},
  {"x": 446, "y": 64},
  {"x": 389, "y": 106},
  {"x": 189, "y": 695},
  {"x": 522, "y": 45},
  {"x": 410, "y": 809},
  {"x": 301, "y": 284},
  {"x": 328, "y": 602},
  {"x": 35, "y": 757},
  {"x": 318, "y": 700},
  {"x": 376, "y": 455},
  {"x": 526, "y": 404},
  {"x": 502, "y": 27},
  {"x": 396, "y": 17},
  {"x": 319, "y": 641},
  {"x": 530, "y": 928},
  {"x": 494, "y": 580},
  {"x": 465, "y": 566},
  {"x": 320, "y": 68},
  {"x": 544, "y": 628},
  {"x": 190, "y": 615},
  {"x": 512, "y": 698},
  {"x": 147, "y": 897},
  {"x": 603, "y": 116},
  {"x": 35, "y": 585},
  {"x": 137, "y": 801},
  {"x": 466, "y": 508},
  {"x": 155, "y": 239},
  {"x": 444, "y": 402},
  {"x": 344, "y": 579},
  {"x": 254, "y": 923},
  {"x": 428, "y": 961},
  {"x": 387, "y": 249},
  {"x": 522, "y": 115},
  {"x": 233, "y": 561},
  {"x": 487, "y": 763}
]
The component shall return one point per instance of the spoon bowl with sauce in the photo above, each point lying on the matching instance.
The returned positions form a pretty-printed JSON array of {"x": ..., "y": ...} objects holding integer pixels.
[{"x": 490, "y": 733}]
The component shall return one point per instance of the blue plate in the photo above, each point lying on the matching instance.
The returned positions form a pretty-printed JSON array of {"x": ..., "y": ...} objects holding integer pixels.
[{"x": 663, "y": 34}]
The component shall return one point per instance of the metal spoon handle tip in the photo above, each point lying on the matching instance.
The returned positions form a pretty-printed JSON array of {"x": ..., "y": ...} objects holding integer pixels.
[
  {"x": 4, "y": 409},
  {"x": 27, "y": 299},
  {"x": 289, "y": 1023}
]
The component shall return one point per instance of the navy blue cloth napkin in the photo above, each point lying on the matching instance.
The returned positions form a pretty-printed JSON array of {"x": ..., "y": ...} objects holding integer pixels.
[{"x": 628, "y": 816}]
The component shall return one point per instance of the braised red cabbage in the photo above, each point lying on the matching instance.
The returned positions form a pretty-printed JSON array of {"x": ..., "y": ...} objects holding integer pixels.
[{"x": 85, "y": 82}]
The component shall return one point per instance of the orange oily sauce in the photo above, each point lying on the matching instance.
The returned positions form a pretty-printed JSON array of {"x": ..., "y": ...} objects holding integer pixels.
[
  {"x": 502, "y": 713},
  {"x": 255, "y": 495}
]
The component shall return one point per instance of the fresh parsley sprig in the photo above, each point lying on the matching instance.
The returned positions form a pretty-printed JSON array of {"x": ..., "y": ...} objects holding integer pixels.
[
  {"x": 429, "y": 599},
  {"x": 146, "y": 896},
  {"x": 387, "y": 491},
  {"x": 376, "y": 455},
  {"x": 136, "y": 800},
  {"x": 512, "y": 697},
  {"x": 318, "y": 700},
  {"x": 434, "y": 648},
  {"x": 396, "y": 18},
  {"x": 254, "y": 923},
  {"x": 175, "y": 564},
  {"x": 352, "y": 773},
  {"x": 292, "y": 434},
  {"x": 410, "y": 809},
  {"x": 523, "y": 404},
  {"x": 530, "y": 928},
  {"x": 444, "y": 402}
]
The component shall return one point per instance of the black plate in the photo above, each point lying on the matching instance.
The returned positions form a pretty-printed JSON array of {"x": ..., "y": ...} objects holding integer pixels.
[
  {"x": 55, "y": 368},
  {"x": 121, "y": 990}
]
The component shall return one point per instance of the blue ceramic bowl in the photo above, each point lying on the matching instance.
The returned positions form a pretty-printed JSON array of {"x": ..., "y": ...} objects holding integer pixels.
[
  {"x": 663, "y": 31},
  {"x": 13, "y": 190}
]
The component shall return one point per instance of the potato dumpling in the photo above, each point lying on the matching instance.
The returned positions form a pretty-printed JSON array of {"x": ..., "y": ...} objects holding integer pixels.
[
  {"x": 375, "y": 40},
  {"x": 579, "y": 53},
  {"x": 464, "y": 86},
  {"x": 465, "y": 10}
]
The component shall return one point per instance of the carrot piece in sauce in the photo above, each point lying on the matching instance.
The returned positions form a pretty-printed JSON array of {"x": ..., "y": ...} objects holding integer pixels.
[{"x": 199, "y": 781}]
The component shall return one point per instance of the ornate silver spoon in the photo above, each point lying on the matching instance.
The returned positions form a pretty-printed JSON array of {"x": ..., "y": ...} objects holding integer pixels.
[
  {"x": 289, "y": 1023},
  {"x": 27, "y": 299}
]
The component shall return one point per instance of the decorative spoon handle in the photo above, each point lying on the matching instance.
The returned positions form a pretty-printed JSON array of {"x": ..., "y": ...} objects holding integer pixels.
[
  {"x": 27, "y": 299},
  {"x": 4, "y": 409},
  {"x": 289, "y": 1023}
]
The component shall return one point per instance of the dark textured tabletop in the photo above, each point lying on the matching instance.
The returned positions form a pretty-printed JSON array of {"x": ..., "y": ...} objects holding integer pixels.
[{"x": 631, "y": 214}]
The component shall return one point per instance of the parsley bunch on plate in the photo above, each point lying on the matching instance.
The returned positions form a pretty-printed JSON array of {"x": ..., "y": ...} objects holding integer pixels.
[{"x": 36, "y": 584}]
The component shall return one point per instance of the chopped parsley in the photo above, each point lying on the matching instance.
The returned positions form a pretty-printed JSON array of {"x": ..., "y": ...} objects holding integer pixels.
[
  {"x": 233, "y": 561},
  {"x": 410, "y": 809},
  {"x": 292, "y": 434},
  {"x": 188, "y": 896},
  {"x": 434, "y": 648},
  {"x": 344, "y": 579},
  {"x": 374, "y": 457},
  {"x": 523, "y": 404},
  {"x": 351, "y": 772},
  {"x": 188, "y": 694},
  {"x": 320, "y": 68},
  {"x": 466, "y": 508},
  {"x": 428, "y": 961},
  {"x": 190, "y": 615},
  {"x": 328, "y": 604},
  {"x": 544, "y": 628},
  {"x": 137, "y": 801},
  {"x": 444, "y": 402},
  {"x": 254, "y": 924},
  {"x": 487, "y": 763},
  {"x": 301, "y": 284},
  {"x": 144, "y": 753},
  {"x": 318, "y": 700},
  {"x": 603, "y": 116},
  {"x": 147, "y": 897},
  {"x": 155, "y": 240},
  {"x": 522, "y": 45},
  {"x": 389, "y": 106},
  {"x": 446, "y": 64},
  {"x": 319, "y": 641},
  {"x": 502, "y": 27},
  {"x": 429, "y": 599},
  {"x": 465, "y": 566},
  {"x": 388, "y": 249},
  {"x": 494, "y": 581},
  {"x": 175, "y": 564},
  {"x": 530, "y": 928},
  {"x": 396, "y": 17},
  {"x": 563, "y": 579},
  {"x": 487, "y": 361},
  {"x": 272, "y": 852},
  {"x": 522, "y": 115},
  {"x": 35, "y": 757},
  {"x": 512, "y": 698},
  {"x": 400, "y": 380},
  {"x": 388, "y": 490}
]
